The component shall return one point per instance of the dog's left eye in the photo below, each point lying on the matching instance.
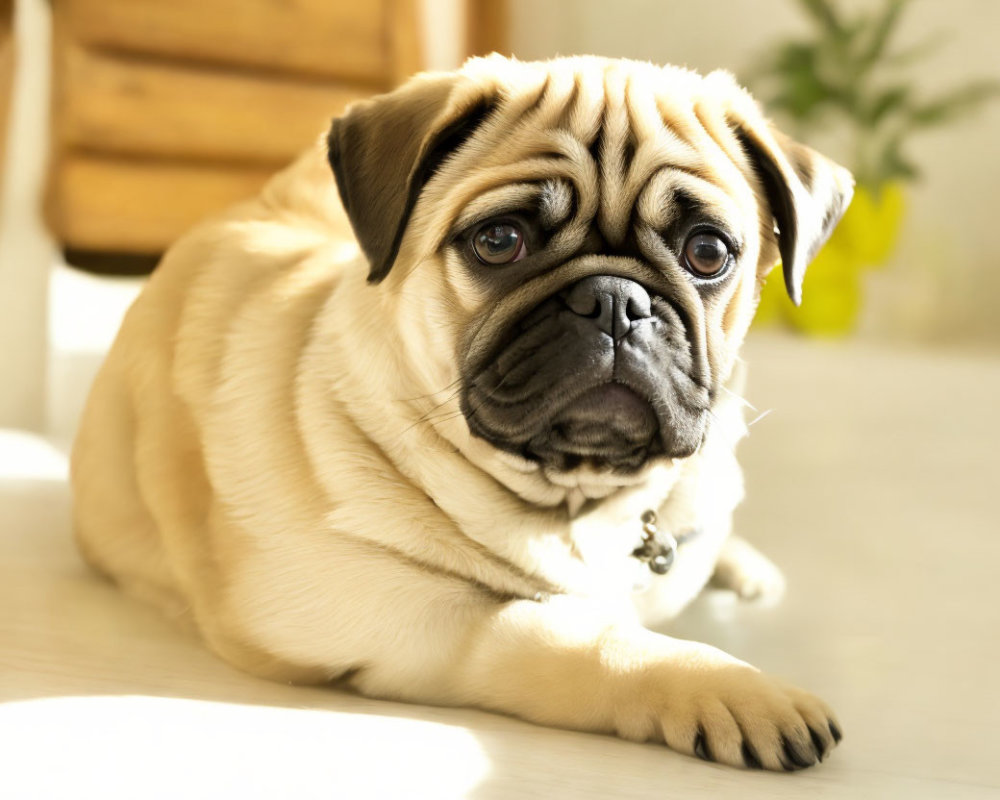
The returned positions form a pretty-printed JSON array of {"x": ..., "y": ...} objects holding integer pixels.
[
  {"x": 706, "y": 254},
  {"x": 499, "y": 243}
]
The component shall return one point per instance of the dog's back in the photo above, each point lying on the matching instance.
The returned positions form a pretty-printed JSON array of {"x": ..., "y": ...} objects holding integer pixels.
[{"x": 137, "y": 469}]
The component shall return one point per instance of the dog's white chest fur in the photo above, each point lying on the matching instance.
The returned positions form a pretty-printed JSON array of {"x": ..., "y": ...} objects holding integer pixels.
[{"x": 696, "y": 511}]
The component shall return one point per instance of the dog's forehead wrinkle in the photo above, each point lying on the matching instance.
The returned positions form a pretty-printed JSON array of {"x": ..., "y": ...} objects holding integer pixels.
[
  {"x": 570, "y": 112},
  {"x": 633, "y": 142},
  {"x": 556, "y": 202},
  {"x": 722, "y": 138},
  {"x": 499, "y": 200},
  {"x": 555, "y": 108},
  {"x": 540, "y": 97},
  {"x": 675, "y": 196},
  {"x": 630, "y": 139}
]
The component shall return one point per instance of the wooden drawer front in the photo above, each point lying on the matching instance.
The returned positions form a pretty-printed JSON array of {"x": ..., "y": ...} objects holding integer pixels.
[
  {"x": 141, "y": 207},
  {"x": 130, "y": 106},
  {"x": 320, "y": 37}
]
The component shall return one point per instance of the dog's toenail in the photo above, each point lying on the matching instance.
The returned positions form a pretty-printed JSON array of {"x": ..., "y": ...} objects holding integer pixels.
[
  {"x": 835, "y": 732},
  {"x": 750, "y": 757},
  {"x": 794, "y": 755},
  {"x": 701, "y": 747}
]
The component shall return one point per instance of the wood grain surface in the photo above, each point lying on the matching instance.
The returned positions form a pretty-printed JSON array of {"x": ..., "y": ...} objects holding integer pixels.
[
  {"x": 140, "y": 206},
  {"x": 130, "y": 106},
  {"x": 309, "y": 37}
]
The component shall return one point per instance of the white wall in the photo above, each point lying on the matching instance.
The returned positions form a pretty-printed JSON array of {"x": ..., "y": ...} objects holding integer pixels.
[
  {"x": 943, "y": 284},
  {"x": 26, "y": 251}
]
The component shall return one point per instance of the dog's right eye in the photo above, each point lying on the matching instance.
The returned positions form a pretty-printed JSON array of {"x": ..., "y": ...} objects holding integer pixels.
[
  {"x": 706, "y": 254},
  {"x": 497, "y": 243}
]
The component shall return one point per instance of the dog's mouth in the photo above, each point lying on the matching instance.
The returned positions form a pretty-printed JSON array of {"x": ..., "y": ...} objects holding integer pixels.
[{"x": 608, "y": 426}]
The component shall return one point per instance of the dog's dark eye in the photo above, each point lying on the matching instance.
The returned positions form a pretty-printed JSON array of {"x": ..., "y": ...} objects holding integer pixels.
[
  {"x": 499, "y": 243},
  {"x": 706, "y": 254}
]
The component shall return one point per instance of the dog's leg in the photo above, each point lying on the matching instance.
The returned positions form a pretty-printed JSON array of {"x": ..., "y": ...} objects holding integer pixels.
[
  {"x": 748, "y": 572},
  {"x": 429, "y": 636},
  {"x": 562, "y": 663},
  {"x": 565, "y": 663}
]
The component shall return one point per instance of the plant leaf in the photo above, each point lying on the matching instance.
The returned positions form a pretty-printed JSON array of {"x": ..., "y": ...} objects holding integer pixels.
[
  {"x": 886, "y": 102},
  {"x": 882, "y": 29},
  {"x": 824, "y": 14},
  {"x": 893, "y": 165},
  {"x": 955, "y": 104},
  {"x": 844, "y": 71},
  {"x": 919, "y": 51}
]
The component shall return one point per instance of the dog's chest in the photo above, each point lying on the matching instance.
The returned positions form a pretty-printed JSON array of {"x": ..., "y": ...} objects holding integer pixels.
[{"x": 618, "y": 547}]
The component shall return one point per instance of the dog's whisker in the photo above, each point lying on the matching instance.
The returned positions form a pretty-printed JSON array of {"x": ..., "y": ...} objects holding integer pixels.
[
  {"x": 725, "y": 429},
  {"x": 432, "y": 413},
  {"x": 451, "y": 385},
  {"x": 742, "y": 399}
]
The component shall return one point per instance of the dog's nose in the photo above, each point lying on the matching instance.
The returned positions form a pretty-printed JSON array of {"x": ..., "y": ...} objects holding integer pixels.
[{"x": 614, "y": 304}]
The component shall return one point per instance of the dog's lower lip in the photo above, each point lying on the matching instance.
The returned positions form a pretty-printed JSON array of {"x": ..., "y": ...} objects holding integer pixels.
[
  {"x": 608, "y": 425},
  {"x": 606, "y": 403}
]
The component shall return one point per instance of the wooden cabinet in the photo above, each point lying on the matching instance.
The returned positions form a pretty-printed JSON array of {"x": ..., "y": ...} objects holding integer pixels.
[
  {"x": 166, "y": 110},
  {"x": 320, "y": 38}
]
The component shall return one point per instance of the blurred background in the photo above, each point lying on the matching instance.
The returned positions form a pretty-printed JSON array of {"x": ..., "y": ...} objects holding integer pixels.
[{"x": 128, "y": 120}]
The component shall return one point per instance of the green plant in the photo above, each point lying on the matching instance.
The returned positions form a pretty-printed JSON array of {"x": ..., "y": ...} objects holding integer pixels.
[{"x": 845, "y": 72}]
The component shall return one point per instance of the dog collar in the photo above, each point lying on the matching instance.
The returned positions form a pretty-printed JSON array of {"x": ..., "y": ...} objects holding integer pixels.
[{"x": 659, "y": 548}]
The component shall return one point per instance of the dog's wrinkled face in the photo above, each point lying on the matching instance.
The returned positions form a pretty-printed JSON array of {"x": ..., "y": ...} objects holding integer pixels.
[
  {"x": 606, "y": 368},
  {"x": 597, "y": 232}
]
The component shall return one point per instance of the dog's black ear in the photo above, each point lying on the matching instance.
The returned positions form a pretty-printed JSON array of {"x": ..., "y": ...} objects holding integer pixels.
[
  {"x": 385, "y": 149},
  {"x": 807, "y": 193}
]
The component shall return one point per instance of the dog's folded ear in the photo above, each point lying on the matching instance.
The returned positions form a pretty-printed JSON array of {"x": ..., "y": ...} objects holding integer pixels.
[
  {"x": 383, "y": 150},
  {"x": 807, "y": 192}
]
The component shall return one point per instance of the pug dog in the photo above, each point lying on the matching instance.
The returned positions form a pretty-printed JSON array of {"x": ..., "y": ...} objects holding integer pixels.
[{"x": 447, "y": 413}]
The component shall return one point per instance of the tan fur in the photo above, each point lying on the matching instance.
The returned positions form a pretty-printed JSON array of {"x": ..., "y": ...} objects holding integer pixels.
[{"x": 274, "y": 451}]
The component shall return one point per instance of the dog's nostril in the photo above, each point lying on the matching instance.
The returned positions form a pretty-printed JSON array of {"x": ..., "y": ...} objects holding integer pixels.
[
  {"x": 583, "y": 303},
  {"x": 591, "y": 309},
  {"x": 638, "y": 307}
]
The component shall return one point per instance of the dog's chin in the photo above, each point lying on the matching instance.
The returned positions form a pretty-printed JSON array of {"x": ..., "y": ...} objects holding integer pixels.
[{"x": 607, "y": 428}]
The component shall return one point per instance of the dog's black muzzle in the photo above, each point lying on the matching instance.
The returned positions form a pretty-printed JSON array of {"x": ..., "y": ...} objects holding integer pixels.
[{"x": 596, "y": 373}]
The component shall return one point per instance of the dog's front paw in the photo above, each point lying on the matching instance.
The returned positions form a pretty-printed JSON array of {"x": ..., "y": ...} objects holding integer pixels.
[
  {"x": 743, "y": 569},
  {"x": 723, "y": 710}
]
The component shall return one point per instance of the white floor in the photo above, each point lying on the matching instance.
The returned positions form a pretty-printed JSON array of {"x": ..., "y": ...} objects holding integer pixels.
[{"x": 873, "y": 482}]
